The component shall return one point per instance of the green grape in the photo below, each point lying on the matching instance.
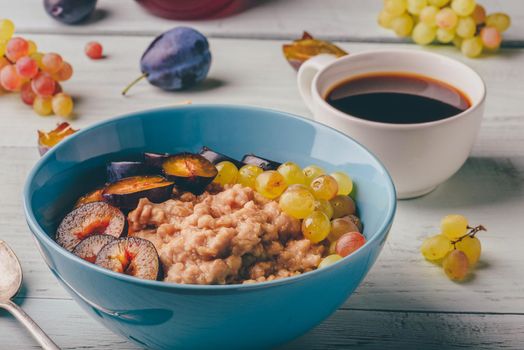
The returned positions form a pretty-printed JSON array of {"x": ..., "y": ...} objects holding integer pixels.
[
  {"x": 270, "y": 184},
  {"x": 37, "y": 56},
  {"x": 479, "y": 14},
  {"x": 436, "y": 247},
  {"x": 428, "y": 15},
  {"x": 463, "y": 7},
  {"x": 42, "y": 105},
  {"x": 456, "y": 265},
  {"x": 395, "y": 7},
  {"x": 316, "y": 226},
  {"x": 342, "y": 206},
  {"x": 438, "y": 3},
  {"x": 324, "y": 206},
  {"x": 445, "y": 35},
  {"x": 31, "y": 47},
  {"x": 300, "y": 186},
  {"x": 341, "y": 226},
  {"x": 62, "y": 105},
  {"x": 7, "y": 29},
  {"x": 292, "y": 173},
  {"x": 329, "y": 260},
  {"x": 402, "y": 25},
  {"x": 446, "y": 18},
  {"x": 415, "y": 6},
  {"x": 324, "y": 187},
  {"x": 472, "y": 47},
  {"x": 297, "y": 202},
  {"x": 227, "y": 173},
  {"x": 471, "y": 247},
  {"x": 498, "y": 20},
  {"x": 457, "y": 41},
  {"x": 454, "y": 226},
  {"x": 345, "y": 184},
  {"x": 311, "y": 172},
  {"x": 332, "y": 248},
  {"x": 384, "y": 20},
  {"x": 423, "y": 34},
  {"x": 466, "y": 27},
  {"x": 3, "y": 45},
  {"x": 248, "y": 174}
]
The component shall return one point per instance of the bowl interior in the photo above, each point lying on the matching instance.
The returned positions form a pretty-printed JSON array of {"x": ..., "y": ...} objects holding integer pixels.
[{"x": 77, "y": 164}]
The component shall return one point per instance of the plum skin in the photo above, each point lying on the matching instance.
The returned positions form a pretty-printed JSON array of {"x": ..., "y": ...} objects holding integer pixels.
[
  {"x": 177, "y": 59},
  {"x": 69, "y": 11}
]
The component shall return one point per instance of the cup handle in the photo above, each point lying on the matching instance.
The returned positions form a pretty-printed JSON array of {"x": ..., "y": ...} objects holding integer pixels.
[{"x": 307, "y": 72}]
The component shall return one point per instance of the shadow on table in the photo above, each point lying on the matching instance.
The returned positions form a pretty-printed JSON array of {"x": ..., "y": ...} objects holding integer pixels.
[{"x": 479, "y": 182}]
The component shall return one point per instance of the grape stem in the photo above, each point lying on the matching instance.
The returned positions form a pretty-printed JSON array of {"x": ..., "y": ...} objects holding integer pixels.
[
  {"x": 124, "y": 92},
  {"x": 472, "y": 232}
]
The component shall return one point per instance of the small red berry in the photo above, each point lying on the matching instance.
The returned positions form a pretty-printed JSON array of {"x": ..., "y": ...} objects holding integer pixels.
[{"x": 93, "y": 50}]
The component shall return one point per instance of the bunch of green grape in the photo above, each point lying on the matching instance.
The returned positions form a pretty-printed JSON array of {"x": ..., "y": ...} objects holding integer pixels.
[
  {"x": 35, "y": 75},
  {"x": 457, "y": 248},
  {"x": 320, "y": 201},
  {"x": 461, "y": 22}
]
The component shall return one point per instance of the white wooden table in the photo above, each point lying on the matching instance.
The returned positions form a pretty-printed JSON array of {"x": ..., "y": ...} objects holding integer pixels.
[{"x": 405, "y": 302}]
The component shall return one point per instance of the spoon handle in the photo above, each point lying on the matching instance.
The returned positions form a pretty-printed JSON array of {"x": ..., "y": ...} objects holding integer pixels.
[{"x": 32, "y": 327}]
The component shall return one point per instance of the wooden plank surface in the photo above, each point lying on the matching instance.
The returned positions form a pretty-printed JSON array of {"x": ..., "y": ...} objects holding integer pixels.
[
  {"x": 346, "y": 329},
  {"x": 350, "y": 20},
  {"x": 404, "y": 302},
  {"x": 488, "y": 189}
]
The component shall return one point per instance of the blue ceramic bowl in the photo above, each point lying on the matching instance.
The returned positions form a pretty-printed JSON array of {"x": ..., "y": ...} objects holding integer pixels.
[{"x": 160, "y": 315}]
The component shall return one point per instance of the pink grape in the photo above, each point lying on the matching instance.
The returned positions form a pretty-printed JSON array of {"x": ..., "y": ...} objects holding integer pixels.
[
  {"x": 93, "y": 50},
  {"x": 27, "y": 94},
  {"x": 9, "y": 78},
  {"x": 349, "y": 243},
  {"x": 26, "y": 67},
  {"x": 43, "y": 85},
  {"x": 16, "y": 48},
  {"x": 491, "y": 37},
  {"x": 52, "y": 62},
  {"x": 64, "y": 73}
]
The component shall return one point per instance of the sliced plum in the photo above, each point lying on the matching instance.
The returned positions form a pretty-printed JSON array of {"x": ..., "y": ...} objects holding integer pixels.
[
  {"x": 155, "y": 159},
  {"x": 120, "y": 170},
  {"x": 88, "y": 249},
  {"x": 131, "y": 256},
  {"x": 215, "y": 157},
  {"x": 90, "y": 197},
  {"x": 260, "y": 162},
  {"x": 190, "y": 172},
  {"x": 126, "y": 193},
  {"x": 87, "y": 220}
]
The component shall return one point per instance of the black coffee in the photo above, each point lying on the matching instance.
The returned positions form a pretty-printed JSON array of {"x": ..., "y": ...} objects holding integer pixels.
[{"x": 397, "y": 98}]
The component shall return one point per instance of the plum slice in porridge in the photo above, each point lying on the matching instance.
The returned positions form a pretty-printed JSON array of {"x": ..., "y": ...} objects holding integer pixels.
[{"x": 220, "y": 237}]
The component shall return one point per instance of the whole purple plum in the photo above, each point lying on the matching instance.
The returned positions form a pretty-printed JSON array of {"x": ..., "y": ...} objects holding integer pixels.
[
  {"x": 176, "y": 60},
  {"x": 69, "y": 11}
]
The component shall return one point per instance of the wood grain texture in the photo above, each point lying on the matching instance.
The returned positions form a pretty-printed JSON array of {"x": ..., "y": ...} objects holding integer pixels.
[
  {"x": 404, "y": 302},
  {"x": 70, "y": 328},
  {"x": 488, "y": 189},
  {"x": 243, "y": 72},
  {"x": 348, "y": 20}
]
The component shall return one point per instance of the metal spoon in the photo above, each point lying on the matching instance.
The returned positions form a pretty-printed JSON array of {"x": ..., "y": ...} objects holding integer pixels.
[{"x": 10, "y": 282}]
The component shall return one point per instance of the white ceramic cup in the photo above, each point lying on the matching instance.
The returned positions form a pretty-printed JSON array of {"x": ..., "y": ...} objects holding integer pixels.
[{"x": 418, "y": 156}]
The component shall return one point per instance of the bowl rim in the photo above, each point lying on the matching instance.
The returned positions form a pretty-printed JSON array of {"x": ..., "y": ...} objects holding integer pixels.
[{"x": 38, "y": 232}]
